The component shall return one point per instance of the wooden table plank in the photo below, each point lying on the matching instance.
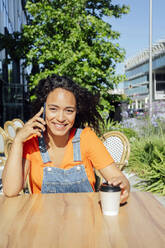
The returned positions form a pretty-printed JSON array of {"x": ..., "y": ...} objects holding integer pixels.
[
  {"x": 140, "y": 223},
  {"x": 76, "y": 220}
]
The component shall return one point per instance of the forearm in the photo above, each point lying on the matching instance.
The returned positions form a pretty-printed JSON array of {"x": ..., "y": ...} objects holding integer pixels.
[
  {"x": 13, "y": 174},
  {"x": 16, "y": 167},
  {"x": 111, "y": 172}
]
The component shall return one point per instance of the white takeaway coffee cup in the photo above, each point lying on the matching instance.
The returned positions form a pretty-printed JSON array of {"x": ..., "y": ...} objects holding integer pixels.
[{"x": 110, "y": 199}]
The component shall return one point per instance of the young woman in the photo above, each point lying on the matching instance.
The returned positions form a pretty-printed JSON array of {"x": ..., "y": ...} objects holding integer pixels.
[{"x": 57, "y": 147}]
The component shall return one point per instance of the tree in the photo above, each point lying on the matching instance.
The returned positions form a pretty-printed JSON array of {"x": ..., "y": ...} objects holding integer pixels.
[{"x": 71, "y": 38}]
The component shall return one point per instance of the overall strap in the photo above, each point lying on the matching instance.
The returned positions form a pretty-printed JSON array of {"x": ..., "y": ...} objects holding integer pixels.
[
  {"x": 76, "y": 145},
  {"x": 43, "y": 150}
]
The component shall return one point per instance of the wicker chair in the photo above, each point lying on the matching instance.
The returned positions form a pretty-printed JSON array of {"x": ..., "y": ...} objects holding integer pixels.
[
  {"x": 8, "y": 144},
  {"x": 118, "y": 146},
  {"x": 10, "y": 129},
  {"x": 3, "y": 139},
  {"x": 18, "y": 123}
]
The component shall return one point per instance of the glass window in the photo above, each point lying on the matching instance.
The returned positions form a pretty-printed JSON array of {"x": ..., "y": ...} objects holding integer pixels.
[
  {"x": 160, "y": 86},
  {"x": 136, "y": 81},
  {"x": 158, "y": 62},
  {"x": 0, "y": 69},
  {"x": 141, "y": 69},
  {"x": 10, "y": 69},
  {"x": 160, "y": 77},
  {"x": 137, "y": 91},
  {"x": 12, "y": 111},
  {"x": 13, "y": 93}
]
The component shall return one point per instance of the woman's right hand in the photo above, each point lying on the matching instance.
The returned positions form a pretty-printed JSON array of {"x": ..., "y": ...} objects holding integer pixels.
[{"x": 34, "y": 126}]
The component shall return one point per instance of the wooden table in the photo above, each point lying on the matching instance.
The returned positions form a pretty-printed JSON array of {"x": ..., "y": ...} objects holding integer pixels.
[{"x": 76, "y": 221}]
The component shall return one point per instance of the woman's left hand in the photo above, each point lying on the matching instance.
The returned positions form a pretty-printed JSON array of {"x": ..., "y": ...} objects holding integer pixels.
[
  {"x": 115, "y": 177},
  {"x": 123, "y": 183}
]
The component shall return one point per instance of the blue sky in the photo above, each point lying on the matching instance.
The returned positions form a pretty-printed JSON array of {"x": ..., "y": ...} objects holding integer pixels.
[{"x": 134, "y": 27}]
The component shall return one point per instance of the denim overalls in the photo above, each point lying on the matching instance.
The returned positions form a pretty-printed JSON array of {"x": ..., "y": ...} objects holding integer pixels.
[{"x": 56, "y": 180}]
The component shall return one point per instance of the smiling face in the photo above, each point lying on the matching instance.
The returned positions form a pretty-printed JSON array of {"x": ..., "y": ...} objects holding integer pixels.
[{"x": 60, "y": 111}]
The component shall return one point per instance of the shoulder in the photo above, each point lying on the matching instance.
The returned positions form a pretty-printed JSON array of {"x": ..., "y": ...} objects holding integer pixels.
[
  {"x": 88, "y": 137},
  {"x": 87, "y": 133}
]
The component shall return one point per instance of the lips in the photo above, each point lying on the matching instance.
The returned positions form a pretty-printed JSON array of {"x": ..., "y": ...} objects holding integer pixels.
[{"x": 60, "y": 126}]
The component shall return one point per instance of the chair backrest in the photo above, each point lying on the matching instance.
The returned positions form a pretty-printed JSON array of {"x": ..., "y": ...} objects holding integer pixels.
[
  {"x": 3, "y": 137},
  {"x": 8, "y": 145},
  {"x": 10, "y": 129},
  {"x": 18, "y": 123},
  {"x": 118, "y": 146}
]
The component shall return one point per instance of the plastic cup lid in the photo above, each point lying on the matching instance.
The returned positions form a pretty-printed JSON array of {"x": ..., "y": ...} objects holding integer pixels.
[{"x": 105, "y": 187}]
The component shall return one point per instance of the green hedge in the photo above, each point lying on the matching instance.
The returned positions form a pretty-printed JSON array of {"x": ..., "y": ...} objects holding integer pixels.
[
  {"x": 147, "y": 160},
  {"x": 147, "y": 156}
]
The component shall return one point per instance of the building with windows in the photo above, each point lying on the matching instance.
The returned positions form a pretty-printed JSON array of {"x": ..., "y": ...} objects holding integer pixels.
[
  {"x": 12, "y": 82},
  {"x": 137, "y": 73}
]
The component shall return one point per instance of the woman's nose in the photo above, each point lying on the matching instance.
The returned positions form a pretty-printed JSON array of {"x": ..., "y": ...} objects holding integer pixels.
[{"x": 60, "y": 116}]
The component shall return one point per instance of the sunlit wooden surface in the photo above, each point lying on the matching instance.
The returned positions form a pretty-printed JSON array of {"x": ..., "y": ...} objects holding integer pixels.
[{"x": 76, "y": 221}]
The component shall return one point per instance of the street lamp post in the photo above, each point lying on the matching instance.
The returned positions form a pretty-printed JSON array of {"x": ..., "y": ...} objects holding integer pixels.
[{"x": 150, "y": 61}]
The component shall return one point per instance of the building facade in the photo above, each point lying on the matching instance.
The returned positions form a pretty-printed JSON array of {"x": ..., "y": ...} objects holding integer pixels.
[
  {"x": 136, "y": 85},
  {"x": 12, "y": 81}
]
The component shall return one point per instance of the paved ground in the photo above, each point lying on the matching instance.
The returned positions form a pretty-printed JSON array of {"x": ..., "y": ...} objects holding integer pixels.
[{"x": 134, "y": 179}]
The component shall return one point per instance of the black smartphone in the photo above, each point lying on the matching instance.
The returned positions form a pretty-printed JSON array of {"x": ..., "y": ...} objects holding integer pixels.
[{"x": 43, "y": 115}]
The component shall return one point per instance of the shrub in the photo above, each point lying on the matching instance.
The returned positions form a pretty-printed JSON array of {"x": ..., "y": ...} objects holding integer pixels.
[
  {"x": 122, "y": 127},
  {"x": 147, "y": 160}
]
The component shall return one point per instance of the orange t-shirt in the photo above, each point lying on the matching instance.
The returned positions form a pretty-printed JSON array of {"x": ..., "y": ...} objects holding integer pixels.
[{"x": 93, "y": 154}]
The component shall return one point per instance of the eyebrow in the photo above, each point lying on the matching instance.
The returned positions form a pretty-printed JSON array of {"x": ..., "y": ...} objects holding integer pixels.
[{"x": 54, "y": 105}]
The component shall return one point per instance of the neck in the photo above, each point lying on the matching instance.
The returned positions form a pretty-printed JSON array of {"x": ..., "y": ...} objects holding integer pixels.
[{"x": 56, "y": 141}]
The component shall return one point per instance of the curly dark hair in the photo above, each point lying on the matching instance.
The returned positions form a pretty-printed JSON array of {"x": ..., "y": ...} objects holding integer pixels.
[{"x": 86, "y": 102}]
